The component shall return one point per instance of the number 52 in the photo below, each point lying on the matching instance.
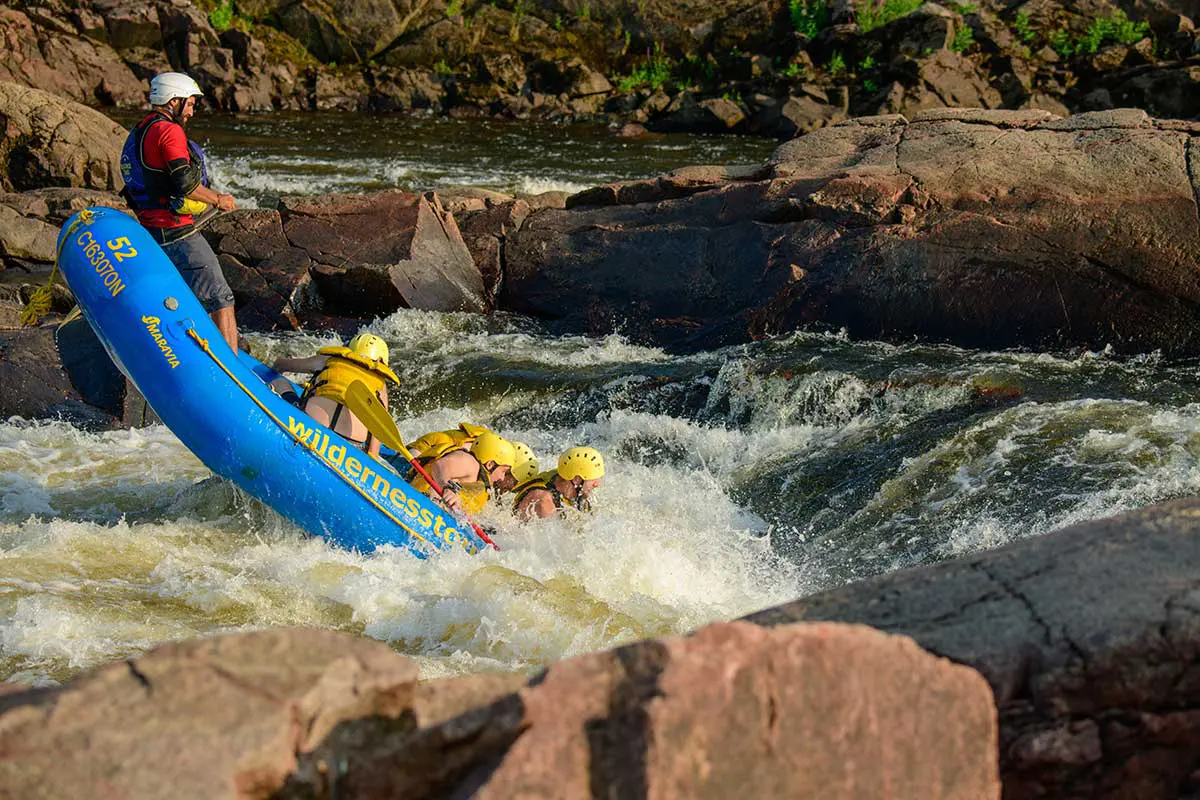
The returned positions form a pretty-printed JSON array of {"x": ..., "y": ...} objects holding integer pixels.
[{"x": 116, "y": 244}]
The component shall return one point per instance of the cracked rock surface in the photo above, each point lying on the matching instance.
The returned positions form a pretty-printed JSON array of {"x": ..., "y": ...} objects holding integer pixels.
[
  {"x": 977, "y": 227},
  {"x": 1089, "y": 637}
]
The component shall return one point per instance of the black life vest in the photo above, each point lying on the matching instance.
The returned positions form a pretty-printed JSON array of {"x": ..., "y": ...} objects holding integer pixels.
[{"x": 148, "y": 188}]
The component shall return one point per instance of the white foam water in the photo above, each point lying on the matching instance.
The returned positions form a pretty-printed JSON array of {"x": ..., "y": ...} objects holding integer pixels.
[{"x": 113, "y": 542}]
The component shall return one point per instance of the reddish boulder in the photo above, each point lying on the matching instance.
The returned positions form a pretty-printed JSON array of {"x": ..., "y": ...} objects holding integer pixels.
[
  {"x": 735, "y": 709},
  {"x": 379, "y": 252},
  {"x": 221, "y": 717},
  {"x": 982, "y": 228},
  {"x": 75, "y": 67}
]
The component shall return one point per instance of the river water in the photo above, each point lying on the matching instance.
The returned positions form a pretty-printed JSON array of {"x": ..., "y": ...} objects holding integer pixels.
[{"x": 737, "y": 478}]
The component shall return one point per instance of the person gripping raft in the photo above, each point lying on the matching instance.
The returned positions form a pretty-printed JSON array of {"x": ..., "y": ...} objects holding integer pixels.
[
  {"x": 570, "y": 485},
  {"x": 365, "y": 359},
  {"x": 469, "y": 477}
]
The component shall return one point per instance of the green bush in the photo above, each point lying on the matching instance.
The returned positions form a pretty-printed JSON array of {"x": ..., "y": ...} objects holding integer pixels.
[
  {"x": 871, "y": 16},
  {"x": 1115, "y": 28},
  {"x": 809, "y": 17},
  {"x": 1060, "y": 42},
  {"x": 1022, "y": 27},
  {"x": 654, "y": 72},
  {"x": 964, "y": 37},
  {"x": 221, "y": 17},
  {"x": 836, "y": 65}
]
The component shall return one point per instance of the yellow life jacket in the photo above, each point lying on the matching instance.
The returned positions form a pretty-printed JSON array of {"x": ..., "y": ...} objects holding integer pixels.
[
  {"x": 465, "y": 434},
  {"x": 343, "y": 368},
  {"x": 474, "y": 496},
  {"x": 545, "y": 481}
]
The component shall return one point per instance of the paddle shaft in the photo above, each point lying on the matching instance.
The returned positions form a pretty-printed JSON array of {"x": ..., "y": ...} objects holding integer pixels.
[{"x": 367, "y": 407}]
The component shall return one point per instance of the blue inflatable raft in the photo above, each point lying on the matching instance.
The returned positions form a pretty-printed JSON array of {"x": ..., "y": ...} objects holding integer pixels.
[{"x": 218, "y": 404}]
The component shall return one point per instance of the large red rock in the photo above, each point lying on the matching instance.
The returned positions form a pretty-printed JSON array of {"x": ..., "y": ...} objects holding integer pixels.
[
  {"x": 215, "y": 718},
  {"x": 376, "y": 253},
  {"x": 728, "y": 712},
  {"x": 76, "y": 67},
  {"x": 982, "y": 228},
  {"x": 734, "y": 710}
]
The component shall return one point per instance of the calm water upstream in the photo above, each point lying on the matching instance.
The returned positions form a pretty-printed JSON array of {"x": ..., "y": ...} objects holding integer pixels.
[{"x": 738, "y": 478}]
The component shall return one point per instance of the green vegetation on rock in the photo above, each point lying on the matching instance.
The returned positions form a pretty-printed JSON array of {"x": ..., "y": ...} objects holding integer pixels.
[
  {"x": 964, "y": 37},
  {"x": 809, "y": 17},
  {"x": 871, "y": 16},
  {"x": 1116, "y": 28},
  {"x": 221, "y": 17},
  {"x": 652, "y": 73}
]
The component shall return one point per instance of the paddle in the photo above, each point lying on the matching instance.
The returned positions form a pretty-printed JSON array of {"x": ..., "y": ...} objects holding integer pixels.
[{"x": 363, "y": 403}]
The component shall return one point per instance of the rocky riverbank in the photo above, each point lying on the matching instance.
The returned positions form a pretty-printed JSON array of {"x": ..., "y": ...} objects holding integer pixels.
[
  {"x": 1085, "y": 640},
  {"x": 776, "y": 68},
  {"x": 979, "y": 228}
]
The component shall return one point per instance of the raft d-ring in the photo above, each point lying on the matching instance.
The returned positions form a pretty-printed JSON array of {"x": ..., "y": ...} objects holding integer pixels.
[{"x": 171, "y": 304}]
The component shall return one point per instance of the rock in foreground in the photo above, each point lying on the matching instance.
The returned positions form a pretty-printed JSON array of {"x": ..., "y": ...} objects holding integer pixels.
[
  {"x": 733, "y": 711},
  {"x": 1089, "y": 637}
]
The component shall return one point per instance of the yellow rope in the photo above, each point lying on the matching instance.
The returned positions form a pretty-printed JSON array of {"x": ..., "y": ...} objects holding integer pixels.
[
  {"x": 203, "y": 343},
  {"x": 42, "y": 299}
]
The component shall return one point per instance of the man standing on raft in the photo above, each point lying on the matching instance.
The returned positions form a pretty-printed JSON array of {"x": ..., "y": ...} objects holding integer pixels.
[{"x": 166, "y": 184}]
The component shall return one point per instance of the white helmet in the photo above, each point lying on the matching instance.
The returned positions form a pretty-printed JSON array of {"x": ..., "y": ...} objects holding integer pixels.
[{"x": 167, "y": 86}]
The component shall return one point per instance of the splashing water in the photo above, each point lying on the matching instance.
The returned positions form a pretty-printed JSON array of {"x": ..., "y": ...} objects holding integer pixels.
[{"x": 737, "y": 479}]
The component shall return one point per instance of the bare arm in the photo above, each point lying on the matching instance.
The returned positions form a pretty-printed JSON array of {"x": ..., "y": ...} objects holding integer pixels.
[
  {"x": 458, "y": 466},
  {"x": 225, "y": 202},
  {"x": 306, "y": 364}
]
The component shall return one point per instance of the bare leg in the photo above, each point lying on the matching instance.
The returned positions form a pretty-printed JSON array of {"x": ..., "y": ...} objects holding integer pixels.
[{"x": 227, "y": 324}]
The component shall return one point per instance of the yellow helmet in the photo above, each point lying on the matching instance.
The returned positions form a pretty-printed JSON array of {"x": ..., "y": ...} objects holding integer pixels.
[
  {"x": 368, "y": 345},
  {"x": 527, "y": 465},
  {"x": 494, "y": 447},
  {"x": 581, "y": 462}
]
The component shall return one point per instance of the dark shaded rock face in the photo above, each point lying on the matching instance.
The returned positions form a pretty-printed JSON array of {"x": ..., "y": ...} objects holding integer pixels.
[
  {"x": 1089, "y": 637},
  {"x": 82, "y": 387},
  {"x": 733, "y": 710},
  {"x": 981, "y": 228}
]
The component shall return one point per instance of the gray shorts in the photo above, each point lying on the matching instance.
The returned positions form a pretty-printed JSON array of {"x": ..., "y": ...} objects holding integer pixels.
[{"x": 197, "y": 263}]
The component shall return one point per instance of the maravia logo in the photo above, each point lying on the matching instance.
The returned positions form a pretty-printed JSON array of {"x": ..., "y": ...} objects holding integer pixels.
[
  {"x": 379, "y": 485},
  {"x": 152, "y": 324}
]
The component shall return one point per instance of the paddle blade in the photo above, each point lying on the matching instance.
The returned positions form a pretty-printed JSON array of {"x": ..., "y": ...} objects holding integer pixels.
[{"x": 363, "y": 404}]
